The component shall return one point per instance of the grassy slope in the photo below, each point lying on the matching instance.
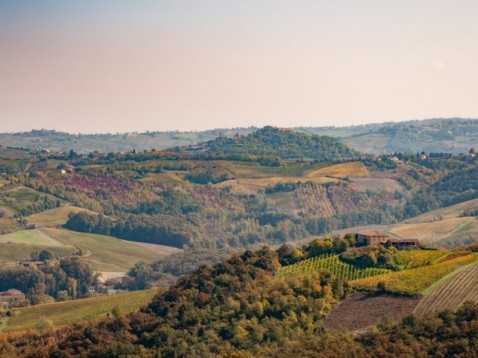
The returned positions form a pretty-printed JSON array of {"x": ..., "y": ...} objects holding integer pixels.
[
  {"x": 64, "y": 313},
  {"x": 21, "y": 197},
  {"x": 105, "y": 253},
  {"x": 430, "y": 232},
  {"x": 354, "y": 169},
  {"x": 53, "y": 217},
  {"x": 30, "y": 237},
  {"x": 10, "y": 252},
  {"x": 467, "y": 234},
  {"x": 442, "y": 227}
]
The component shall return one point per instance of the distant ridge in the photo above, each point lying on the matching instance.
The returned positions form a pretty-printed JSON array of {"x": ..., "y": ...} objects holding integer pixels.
[{"x": 454, "y": 135}]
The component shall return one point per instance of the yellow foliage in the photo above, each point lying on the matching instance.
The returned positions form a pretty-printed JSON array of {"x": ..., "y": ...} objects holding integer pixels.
[{"x": 415, "y": 280}]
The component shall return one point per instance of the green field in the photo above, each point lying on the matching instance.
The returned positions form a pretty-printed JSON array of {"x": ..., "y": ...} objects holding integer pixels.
[
  {"x": 105, "y": 253},
  {"x": 30, "y": 237},
  {"x": 68, "y": 312},
  {"x": 21, "y": 197},
  {"x": 53, "y": 217},
  {"x": 10, "y": 252}
]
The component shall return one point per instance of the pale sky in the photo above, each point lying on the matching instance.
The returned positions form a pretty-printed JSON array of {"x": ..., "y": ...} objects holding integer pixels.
[{"x": 131, "y": 65}]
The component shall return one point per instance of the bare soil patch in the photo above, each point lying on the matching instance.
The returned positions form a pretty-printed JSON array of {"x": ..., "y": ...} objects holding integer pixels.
[{"x": 359, "y": 312}]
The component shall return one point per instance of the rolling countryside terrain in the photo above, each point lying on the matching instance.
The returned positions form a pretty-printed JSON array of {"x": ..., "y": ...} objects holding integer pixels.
[
  {"x": 199, "y": 221},
  {"x": 69, "y": 312}
]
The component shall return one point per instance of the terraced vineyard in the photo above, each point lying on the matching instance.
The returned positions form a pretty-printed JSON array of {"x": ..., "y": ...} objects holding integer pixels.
[
  {"x": 418, "y": 258},
  {"x": 462, "y": 287},
  {"x": 414, "y": 281},
  {"x": 331, "y": 263}
]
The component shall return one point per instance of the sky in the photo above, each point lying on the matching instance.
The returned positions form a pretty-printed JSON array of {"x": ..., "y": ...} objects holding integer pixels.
[{"x": 94, "y": 66}]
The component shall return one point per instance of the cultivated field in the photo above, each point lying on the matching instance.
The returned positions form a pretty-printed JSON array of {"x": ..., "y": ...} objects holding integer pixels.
[
  {"x": 430, "y": 232},
  {"x": 463, "y": 236},
  {"x": 358, "y": 312},
  {"x": 462, "y": 286},
  {"x": 344, "y": 170},
  {"x": 68, "y": 312},
  {"x": 449, "y": 212},
  {"x": 11, "y": 253},
  {"x": 414, "y": 281},
  {"x": 53, "y": 217},
  {"x": 105, "y": 253},
  {"x": 330, "y": 263},
  {"x": 7, "y": 224},
  {"x": 386, "y": 184},
  {"x": 21, "y": 197},
  {"x": 30, "y": 237},
  {"x": 418, "y": 258}
]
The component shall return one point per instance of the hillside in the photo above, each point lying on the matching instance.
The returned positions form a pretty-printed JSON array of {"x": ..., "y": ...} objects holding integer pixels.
[
  {"x": 278, "y": 143},
  {"x": 69, "y": 312},
  {"x": 243, "y": 308},
  {"x": 454, "y": 135}
]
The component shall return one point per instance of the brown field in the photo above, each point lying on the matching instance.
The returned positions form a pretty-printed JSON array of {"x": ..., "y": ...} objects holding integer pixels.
[
  {"x": 344, "y": 170},
  {"x": 251, "y": 185},
  {"x": 465, "y": 235},
  {"x": 432, "y": 231},
  {"x": 359, "y": 312},
  {"x": 364, "y": 184},
  {"x": 7, "y": 224},
  {"x": 449, "y": 212}
]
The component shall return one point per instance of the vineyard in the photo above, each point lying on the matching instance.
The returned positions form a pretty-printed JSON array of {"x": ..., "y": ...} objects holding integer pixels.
[
  {"x": 452, "y": 294},
  {"x": 413, "y": 281},
  {"x": 331, "y": 263},
  {"x": 312, "y": 199},
  {"x": 418, "y": 258}
]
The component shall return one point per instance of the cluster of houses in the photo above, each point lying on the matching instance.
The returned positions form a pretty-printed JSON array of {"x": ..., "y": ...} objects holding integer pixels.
[{"x": 376, "y": 238}]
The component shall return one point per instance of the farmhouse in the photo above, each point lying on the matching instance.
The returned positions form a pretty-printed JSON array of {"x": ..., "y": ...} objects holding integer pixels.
[
  {"x": 11, "y": 295},
  {"x": 375, "y": 238},
  {"x": 403, "y": 243},
  {"x": 371, "y": 238},
  {"x": 32, "y": 263}
]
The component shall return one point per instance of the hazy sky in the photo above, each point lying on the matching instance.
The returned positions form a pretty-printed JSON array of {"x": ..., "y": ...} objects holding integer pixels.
[{"x": 132, "y": 65}]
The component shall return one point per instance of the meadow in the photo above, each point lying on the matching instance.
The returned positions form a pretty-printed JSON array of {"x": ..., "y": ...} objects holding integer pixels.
[
  {"x": 53, "y": 217},
  {"x": 104, "y": 253},
  {"x": 69, "y": 312}
]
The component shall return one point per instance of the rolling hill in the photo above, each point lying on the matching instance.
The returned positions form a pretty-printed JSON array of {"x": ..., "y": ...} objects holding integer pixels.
[{"x": 455, "y": 135}]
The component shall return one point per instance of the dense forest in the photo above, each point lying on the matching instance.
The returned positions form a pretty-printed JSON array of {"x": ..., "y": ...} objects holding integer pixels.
[{"x": 271, "y": 144}]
